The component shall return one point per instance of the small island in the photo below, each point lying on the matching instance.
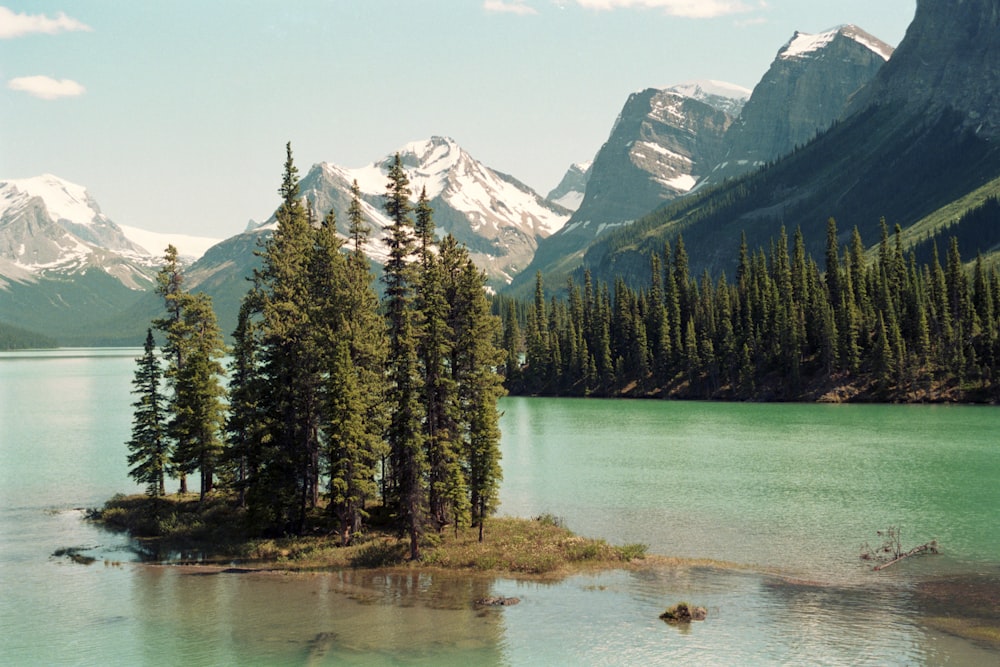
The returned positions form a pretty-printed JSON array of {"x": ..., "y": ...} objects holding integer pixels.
[{"x": 187, "y": 531}]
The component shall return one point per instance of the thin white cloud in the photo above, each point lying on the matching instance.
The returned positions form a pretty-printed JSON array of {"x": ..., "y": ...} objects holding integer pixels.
[
  {"x": 46, "y": 88},
  {"x": 17, "y": 25},
  {"x": 695, "y": 9},
  {"x": 509, "y": 7}
]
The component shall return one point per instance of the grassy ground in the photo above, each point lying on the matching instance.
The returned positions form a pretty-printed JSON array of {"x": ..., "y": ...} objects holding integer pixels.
[{"x": 179, "y": 529}]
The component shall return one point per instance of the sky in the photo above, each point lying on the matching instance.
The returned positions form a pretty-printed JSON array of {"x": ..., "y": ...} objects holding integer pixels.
[{"x": 175, "y": 115}]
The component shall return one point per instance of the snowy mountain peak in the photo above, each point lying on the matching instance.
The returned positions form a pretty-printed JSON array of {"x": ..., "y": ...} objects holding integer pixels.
[
  {"x": 64, "y": 201},
  {"x": 720, "y": 95},
  {"x": 497, "y": 217},
  {"x": 804, "y": 45},
  {"x": 700, "y": 90}
]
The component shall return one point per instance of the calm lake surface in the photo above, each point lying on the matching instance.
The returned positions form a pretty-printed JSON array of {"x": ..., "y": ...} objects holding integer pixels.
[{"x": 789, "y": 492}]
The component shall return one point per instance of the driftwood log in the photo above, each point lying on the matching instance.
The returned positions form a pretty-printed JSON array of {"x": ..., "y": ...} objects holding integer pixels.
[{"x": 929, "y": 548}]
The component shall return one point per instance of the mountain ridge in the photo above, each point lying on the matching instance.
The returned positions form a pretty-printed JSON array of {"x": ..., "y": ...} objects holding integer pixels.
[{"x": 901, "y": 151}]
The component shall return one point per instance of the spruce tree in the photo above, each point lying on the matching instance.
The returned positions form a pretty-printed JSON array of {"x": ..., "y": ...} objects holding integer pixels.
[
  {"x": 197, "y": 405},
  {"x": 170, "y": 287},
  {"x": 355, "y": 410},
  {"x": 435, "y": 347},
  {"x": 149, "y": 449},
  {"x": 291, "y": 366},
  {"x": 246, "y": 422},
  {"x": 407, "y": 459},
  {"x": 475, "y": 358}
]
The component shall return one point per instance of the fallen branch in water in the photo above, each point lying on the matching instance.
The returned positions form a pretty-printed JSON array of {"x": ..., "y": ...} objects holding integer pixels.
[
  {"x": 891, "y": 550},
  {"x": 930, "y": 547}
]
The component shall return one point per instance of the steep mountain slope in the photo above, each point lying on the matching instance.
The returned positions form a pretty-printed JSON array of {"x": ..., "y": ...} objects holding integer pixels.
[
  {"x": 65, "y": 267},
  {"x": 569, "y": 193},
  {"x": 948, "y": 60},
  {"x": 661, "y": 144},
  {"x": 806, "y": 89},
  {"x": 49, "y": 226},
  {"x": 914, "y": 143}
]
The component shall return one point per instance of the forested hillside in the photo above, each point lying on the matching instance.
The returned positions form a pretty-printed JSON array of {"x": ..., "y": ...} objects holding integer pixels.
[
  {"x": 905, "y": 172},
  {"x": 16, "y": 338},
  {"x": 786, "y": 327}
]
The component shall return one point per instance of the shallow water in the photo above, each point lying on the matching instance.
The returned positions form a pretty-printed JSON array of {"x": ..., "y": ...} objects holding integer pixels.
[{"x": 794, "y": 489}]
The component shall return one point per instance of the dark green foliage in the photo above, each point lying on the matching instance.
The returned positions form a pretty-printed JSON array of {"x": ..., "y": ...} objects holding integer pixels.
[
  {"x": 783, "y": 330},
  {"x": 192, "y": 351},
  {"x": 408, "y": 460},
  {"x": 149, "y": 449},
  {"x": 196, "y": 407},
  {"x": 333, "y": 396},
  {"x": 16, "y": 338}
]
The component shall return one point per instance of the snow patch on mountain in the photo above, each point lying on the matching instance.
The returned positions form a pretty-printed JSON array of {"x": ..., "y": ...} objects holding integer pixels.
[
  {"x": 803, "y": 45},
  {"x": 63, "y": 200},
  {"x": 721, "y": 95},
  {"x": 442, "y": 168}
]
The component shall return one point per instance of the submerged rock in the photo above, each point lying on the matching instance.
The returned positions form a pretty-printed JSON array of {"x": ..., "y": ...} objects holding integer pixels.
[
  {"x": 497, "y": 601},
  {"x": 682, "y": 612}
]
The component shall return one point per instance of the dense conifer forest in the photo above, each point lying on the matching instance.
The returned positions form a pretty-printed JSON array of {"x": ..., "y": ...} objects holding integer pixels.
[
  {"x": 337, "y": 402},
  {"x": 16, "y": 338},
  {"x": 882, "y": 328}
]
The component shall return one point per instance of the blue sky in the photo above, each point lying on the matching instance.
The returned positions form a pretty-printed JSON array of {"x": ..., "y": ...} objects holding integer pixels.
[{"x": 175, "y": 114}]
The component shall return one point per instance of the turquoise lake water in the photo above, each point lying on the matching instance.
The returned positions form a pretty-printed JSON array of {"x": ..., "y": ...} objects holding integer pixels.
[{"x": 788, "y": 492}]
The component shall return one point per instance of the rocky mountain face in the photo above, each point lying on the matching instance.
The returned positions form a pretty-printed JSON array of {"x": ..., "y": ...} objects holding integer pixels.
[
  {"x": 949, "y": 59},
  {"x": 661, "y": 144},
  {"x": 66, "y": 268},
  {"x": 917, "y": 146},
  {"x": 806, "y": 89},
  {"x": 51, "y": 227},
  {"x": 669, "y": 143},
  {"x": 569, "y": 193}
]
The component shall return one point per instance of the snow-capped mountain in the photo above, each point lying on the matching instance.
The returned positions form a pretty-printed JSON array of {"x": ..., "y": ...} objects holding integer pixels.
[
  {"x": 721, "y": 95},
  {"x": 806, "y": 89},
  {"x": 569, "y": 193},
  {"x": 496, "y": 216},
  {"x": 51, "y": 226},
  {"x": 662, "y": 142},
  {"x": 916, "y": 146}
]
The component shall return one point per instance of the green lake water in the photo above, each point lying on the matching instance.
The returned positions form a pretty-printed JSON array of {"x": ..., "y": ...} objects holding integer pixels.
[{"x": 788, "y": 492}]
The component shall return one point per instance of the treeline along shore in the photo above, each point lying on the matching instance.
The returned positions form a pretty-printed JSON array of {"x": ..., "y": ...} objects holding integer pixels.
[{"x": 866, "y": 326}]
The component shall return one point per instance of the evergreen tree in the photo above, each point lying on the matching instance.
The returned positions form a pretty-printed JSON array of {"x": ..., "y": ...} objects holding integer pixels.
[
  {"x": 355, "y": 409},
  {"x": 291, "y": 367},
  {"x": 197, "y": 406},
  {"x": 357, "y": 230},
  {"x": 435, "y": 347},
  {"x": 407, "y": 457},
  {"x": 170, "y": 287},
  {"x": 149, "y": 449},
  {"x": 474, "y": 361},
  {"x": 246, "y": 422},
  {"x": 512, "y": 345}
]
